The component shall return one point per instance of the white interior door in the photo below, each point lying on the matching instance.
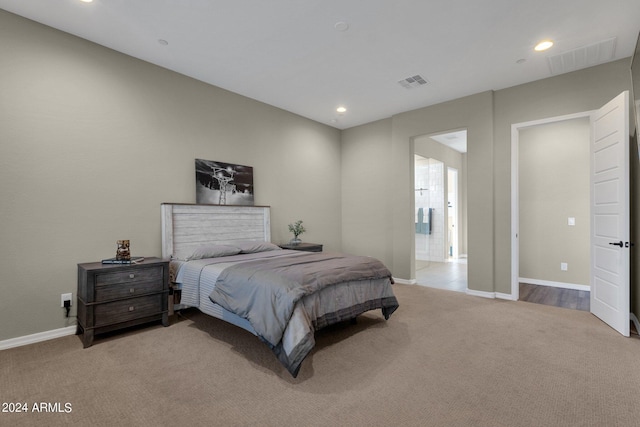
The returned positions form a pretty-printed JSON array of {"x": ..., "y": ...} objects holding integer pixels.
[{"x": 610, "y": 213}]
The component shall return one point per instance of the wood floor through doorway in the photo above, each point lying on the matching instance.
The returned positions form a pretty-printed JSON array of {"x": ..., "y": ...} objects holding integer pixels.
[{"x": 559, "y": 297}]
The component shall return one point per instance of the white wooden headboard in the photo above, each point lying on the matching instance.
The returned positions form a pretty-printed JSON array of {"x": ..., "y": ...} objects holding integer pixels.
[{"x": 187, "y": 226}]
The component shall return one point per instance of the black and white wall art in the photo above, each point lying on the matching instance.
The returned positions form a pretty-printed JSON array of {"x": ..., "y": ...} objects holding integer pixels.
[{"x": 219, "y": 183}]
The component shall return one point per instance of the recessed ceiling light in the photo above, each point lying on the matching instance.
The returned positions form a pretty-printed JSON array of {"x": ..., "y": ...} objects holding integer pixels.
[
  {"x": 86, "y": 1},
  {"x": 341, "y": 110},
  {"x": 543, "y": 45}
]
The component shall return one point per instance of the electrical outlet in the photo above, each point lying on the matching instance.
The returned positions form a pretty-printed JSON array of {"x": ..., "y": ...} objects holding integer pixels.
[
  {"x": 564, "y": 266},
  {"x": 66, "y": 297}
]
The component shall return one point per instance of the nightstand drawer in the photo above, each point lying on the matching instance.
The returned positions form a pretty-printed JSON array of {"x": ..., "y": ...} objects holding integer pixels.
[
  {"x": 127, "y": 290},
  {"x": 129, "y": 276},
  {"x": 122, "y": 311}
]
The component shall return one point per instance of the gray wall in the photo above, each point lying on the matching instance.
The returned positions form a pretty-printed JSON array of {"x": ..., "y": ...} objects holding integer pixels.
[
  {"x": 554, "y": 184},
  {"x": 394, "y": 140},
  {"x": 93, "y": 141},
  {"x": 366, "y": 217},
  {"x": 576, "y": 92},
  {"x": 488, "y": 118}
]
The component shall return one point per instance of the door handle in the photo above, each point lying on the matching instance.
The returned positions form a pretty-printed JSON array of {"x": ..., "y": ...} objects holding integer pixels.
[{"x": 617, "y": 243}]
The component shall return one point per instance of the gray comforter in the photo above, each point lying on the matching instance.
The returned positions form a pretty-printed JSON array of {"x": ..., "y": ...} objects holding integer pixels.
[{"x": 266, "y": 291}]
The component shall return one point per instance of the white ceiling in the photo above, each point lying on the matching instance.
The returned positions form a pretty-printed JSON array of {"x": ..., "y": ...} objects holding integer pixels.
[
  {"x": 456, "y": 140},
  {"x": 297, "y": 55}
]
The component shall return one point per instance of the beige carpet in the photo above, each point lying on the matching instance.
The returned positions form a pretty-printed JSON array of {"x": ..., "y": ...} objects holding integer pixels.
[{"x": 443, "y": 359}]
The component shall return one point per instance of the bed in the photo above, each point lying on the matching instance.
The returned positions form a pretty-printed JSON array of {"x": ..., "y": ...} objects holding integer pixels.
[{"x": 224, "y": 264}]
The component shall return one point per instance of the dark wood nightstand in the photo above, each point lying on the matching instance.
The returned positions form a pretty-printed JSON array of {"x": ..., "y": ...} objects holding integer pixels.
[
  {"x": 116, "y": 296},
  {"x": 308, "y": 247}
]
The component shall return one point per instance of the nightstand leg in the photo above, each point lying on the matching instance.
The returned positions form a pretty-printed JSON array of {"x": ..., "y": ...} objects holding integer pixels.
[
  {"x": 87, "y": 338},
  {"x": 165, "y": 319}
]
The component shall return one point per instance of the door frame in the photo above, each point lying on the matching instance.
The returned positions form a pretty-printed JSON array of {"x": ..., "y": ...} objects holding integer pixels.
[
  {"x": 515, "y": 202},
  {"x": 451, "y": 171}
]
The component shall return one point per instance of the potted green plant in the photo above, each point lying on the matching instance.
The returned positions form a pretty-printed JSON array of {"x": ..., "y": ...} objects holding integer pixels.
[{"x": 297, "y": 229}]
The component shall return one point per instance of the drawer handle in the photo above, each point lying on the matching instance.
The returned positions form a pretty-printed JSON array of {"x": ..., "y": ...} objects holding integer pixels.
[
  {"x": 131, "y": 275},
  {"x": 132, "y": 308},
  {"x": 132, "y": 290}
]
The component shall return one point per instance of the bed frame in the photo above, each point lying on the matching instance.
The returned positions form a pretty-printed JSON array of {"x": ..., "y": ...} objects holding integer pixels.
[{"x": 187, "y": 226}]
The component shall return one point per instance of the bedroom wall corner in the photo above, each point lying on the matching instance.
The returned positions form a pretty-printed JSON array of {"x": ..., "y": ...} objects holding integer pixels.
[
  {"x": 366, "y": 205},
  {"x": 377, "y": 162},
  {"x": 93, "y": 141}
]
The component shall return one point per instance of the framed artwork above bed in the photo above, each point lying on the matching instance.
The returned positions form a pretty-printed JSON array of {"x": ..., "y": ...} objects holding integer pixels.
[{"x": 219, "y": 183}]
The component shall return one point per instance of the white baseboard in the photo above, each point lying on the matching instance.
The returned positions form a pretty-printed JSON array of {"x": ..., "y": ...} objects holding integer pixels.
[
  {"x": 564, "y": 285},
  {"x": 492, "y": 295},
  {"x": 405, "y": 281},
  {"x": 40, "y": 336},
  {"x": 482, "y": 294},
  {"x": 509, "y": 297}
]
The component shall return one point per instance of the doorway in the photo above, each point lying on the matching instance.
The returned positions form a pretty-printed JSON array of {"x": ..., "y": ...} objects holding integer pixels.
[
  {"x": 452, "y": 213},
  {"x": 609, "y": 211},
  {"x": 548, "y": 218},
  {"x": 440, "y": 210},
  {"x": 430, "y": 212}
]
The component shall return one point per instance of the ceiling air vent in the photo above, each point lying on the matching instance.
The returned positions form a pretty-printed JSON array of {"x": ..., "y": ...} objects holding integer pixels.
[
  {"x": 411, "y": 82},
  {"x": 583, "y": 57}
]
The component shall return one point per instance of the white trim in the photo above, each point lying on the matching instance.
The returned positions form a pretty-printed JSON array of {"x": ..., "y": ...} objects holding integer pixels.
[
  {"x": 482, "y": 294},
  {"x": 490, "y": 295},
  {"x": 39, "y": 337},
  {"x": 515, "y": 207},
  {"x": 564, "y": 285},
  {"x": 508, "y": 297},
  {"x": 405, "y": 281},
  {"x": 635, "y": 321},
  {"x": 515, "y": 213}
]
